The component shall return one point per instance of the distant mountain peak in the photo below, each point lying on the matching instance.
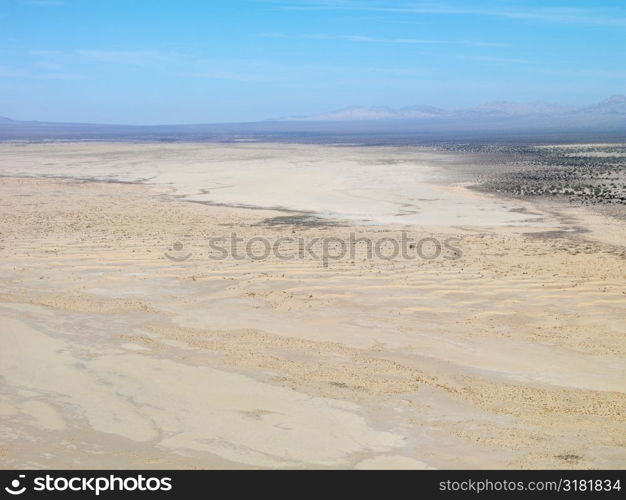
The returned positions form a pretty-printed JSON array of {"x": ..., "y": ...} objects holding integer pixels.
[
  {"x": 615, "y": 99},
  {"x": 358, "y": 113},
  {"x": 519, "y": 109},
  {"x": 614, "y": 105}
]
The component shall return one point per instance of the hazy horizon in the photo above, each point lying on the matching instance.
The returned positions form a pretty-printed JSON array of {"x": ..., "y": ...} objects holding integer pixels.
[
  {"x": 612, "y": 108},
  {"x": 253, "y": 60}
]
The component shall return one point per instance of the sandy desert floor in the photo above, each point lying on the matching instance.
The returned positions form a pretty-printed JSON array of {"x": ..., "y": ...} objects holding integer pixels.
[{"x": 510, "y": 353}]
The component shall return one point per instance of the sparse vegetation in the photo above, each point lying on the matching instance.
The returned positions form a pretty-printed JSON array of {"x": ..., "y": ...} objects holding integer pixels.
[{"x": 587, "y": 174}]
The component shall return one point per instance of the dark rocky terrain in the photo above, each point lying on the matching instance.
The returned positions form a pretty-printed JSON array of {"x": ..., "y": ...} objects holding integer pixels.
[{"x": 577, "y": 173}]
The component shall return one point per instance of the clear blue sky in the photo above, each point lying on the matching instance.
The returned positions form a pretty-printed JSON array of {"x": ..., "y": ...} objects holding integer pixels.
[{"x": 155, "y": 61}]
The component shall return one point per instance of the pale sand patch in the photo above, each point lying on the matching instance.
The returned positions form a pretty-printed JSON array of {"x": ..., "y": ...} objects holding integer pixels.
[
  {"x": 238, "y": 418},
  {"x": 45, "y": 415},
  {"x": 185, "y": 407},
  {"x": 391, "y": 462},
  {"x": 36, "y": 362},
  {"x": 384, "y": 185}
]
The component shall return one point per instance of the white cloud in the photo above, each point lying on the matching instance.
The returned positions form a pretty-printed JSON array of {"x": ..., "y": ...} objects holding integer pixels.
[
  {"x": 47, "y": 3},
  {"x": 9, "y": 72},
  {"x": 497, "y": 59},
  {"x": 133, "y": 57},
  {"x": 370, "y": 39},
  {"x": 562, "y": 15}
]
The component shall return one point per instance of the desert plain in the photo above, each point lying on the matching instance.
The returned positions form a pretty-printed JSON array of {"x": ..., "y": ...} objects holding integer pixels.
[{"x": 128, "y": 341}]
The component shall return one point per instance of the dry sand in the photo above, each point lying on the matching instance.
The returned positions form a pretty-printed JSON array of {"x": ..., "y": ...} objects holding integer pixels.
[{"x": 115, "y": 356}]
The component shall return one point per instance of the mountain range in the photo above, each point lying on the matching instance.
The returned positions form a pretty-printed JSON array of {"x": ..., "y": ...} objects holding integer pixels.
[
  {"x": 500, "y": 120},
  {"x": 614, "y": 106}
]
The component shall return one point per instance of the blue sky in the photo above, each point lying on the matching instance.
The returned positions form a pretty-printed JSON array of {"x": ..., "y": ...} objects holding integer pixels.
[{"x": 207, "y": 61}]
